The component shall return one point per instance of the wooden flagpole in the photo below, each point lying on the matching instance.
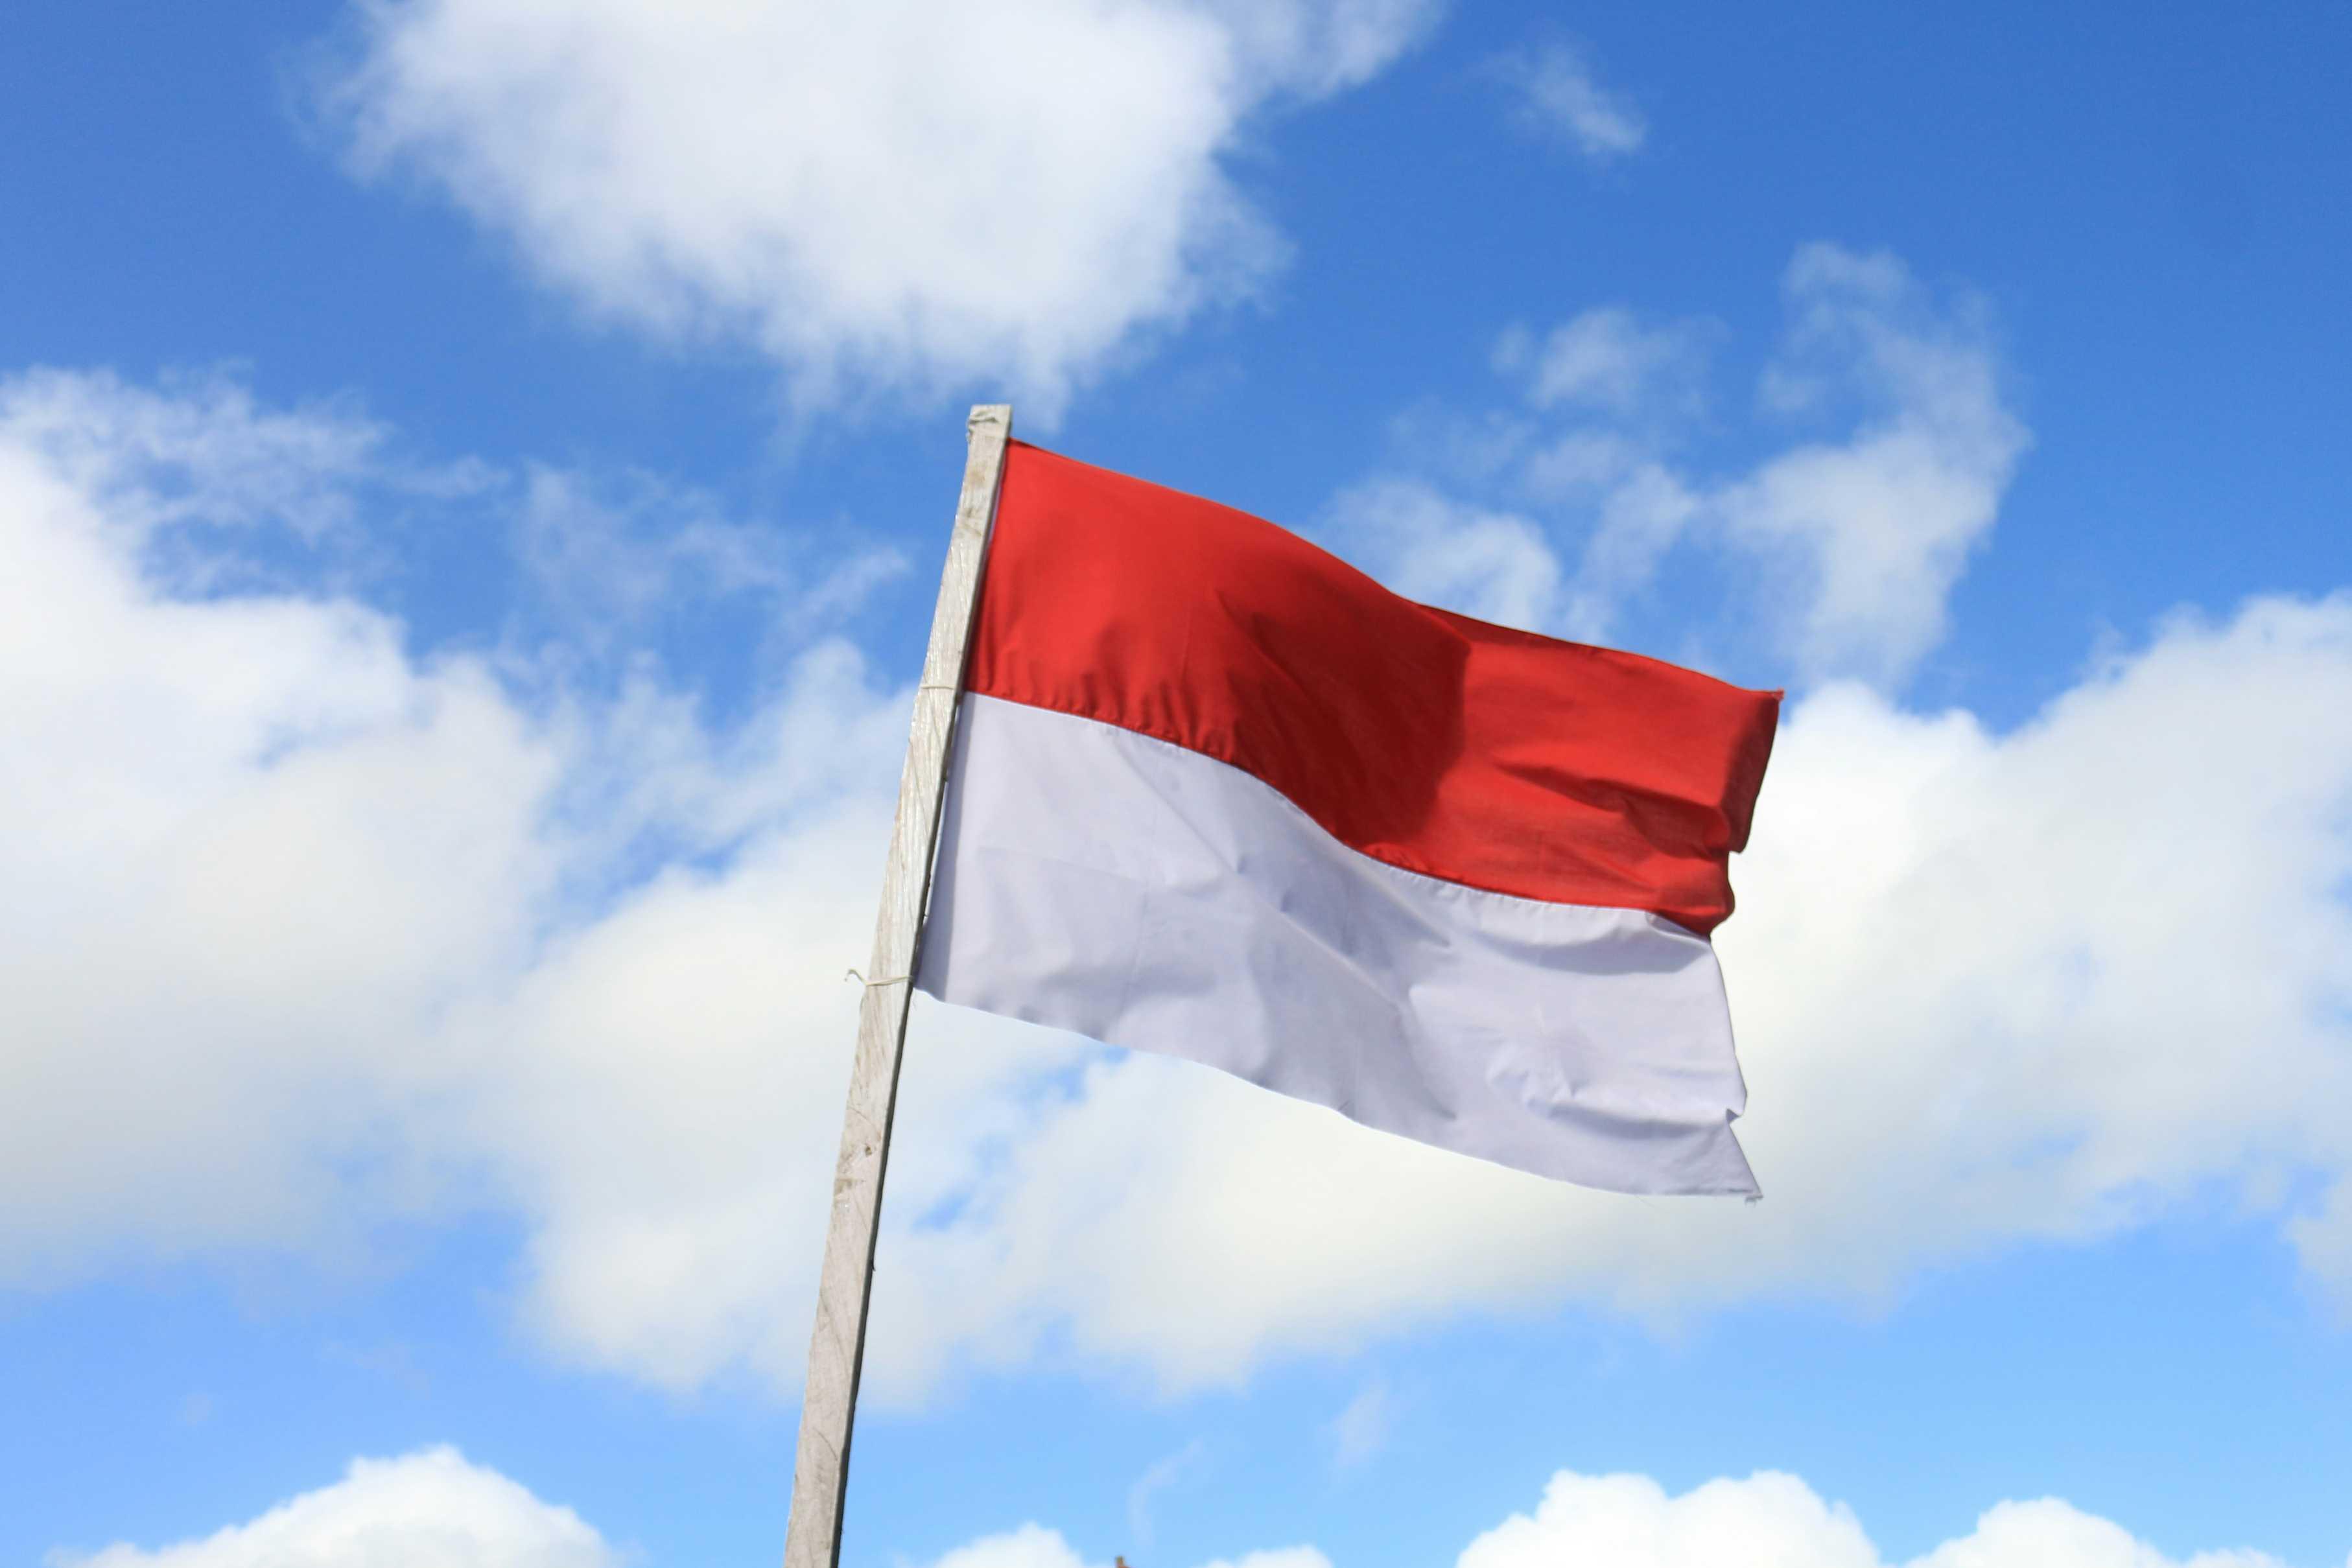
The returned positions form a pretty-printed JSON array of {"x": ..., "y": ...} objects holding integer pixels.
[{"x": 837, "y": 1347}]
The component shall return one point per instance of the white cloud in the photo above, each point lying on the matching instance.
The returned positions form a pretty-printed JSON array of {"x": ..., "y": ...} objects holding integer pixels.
[
  {"x": 248, "y": 841},
  {"x": 908, "y": 195},
  {"x": 1163, "y": 1473},
  {"x": 1362, "y": 1429},
  {"x": 2324, "y": 1239},
  {"x": 1607, "y": 359},
  {"x": 1868, "y": 535},
  {"x": 1495, "y": 565},
  {"x": 1844, "y": 549},
  {"x": 199, "y": 449},
  {"x": 1034, "y": 1546},
  {"x": 1030, "y": 1546},
  {"x": 434, "y": 1509},
  {"x": 427, "y": 1510},
  {"x": 1777, "y": 1522},
  {"x": 610, "y": 554},
  {"x": 1556, "y": 95},
  {"x": 1988, "y": 987},
  {"x": 307, "y": 928}
]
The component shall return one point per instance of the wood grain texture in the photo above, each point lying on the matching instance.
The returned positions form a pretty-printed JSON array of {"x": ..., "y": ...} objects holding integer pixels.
[{"x": 838, "y": 1346}]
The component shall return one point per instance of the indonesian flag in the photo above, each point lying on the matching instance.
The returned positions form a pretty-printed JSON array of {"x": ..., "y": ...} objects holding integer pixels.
[{"x": 1216, "y": 794}]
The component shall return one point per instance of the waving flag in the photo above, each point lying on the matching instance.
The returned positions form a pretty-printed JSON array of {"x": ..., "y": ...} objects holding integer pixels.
[{"x": 1216, "y": 794}]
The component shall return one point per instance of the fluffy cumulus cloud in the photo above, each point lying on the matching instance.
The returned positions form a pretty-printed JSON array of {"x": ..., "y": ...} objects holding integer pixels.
[
  {"x": 250, "y": 842},
  {"x": 434, "y": 1509},
  {"x": 1992, "y": 986},
  {"x": 908, "y": 194},
  {"x": 1778, "y": 1522},
  {"x": 429, "y": 1509},
  {"x": 308, "y": 927},
  {"x": 1034, "y": 1546},
  {"x": 1030, "y": 1546}
]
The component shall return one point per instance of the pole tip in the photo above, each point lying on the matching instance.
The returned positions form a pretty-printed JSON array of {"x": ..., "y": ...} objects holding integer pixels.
[{"x": 989, "y": 413}]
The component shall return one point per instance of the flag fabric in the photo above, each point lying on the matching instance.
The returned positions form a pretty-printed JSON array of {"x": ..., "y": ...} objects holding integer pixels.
[{"x": 1216, "y": 794}]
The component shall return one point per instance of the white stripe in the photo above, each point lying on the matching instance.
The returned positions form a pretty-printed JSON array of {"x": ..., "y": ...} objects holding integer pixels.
[{"x": 1103, "y": 882}]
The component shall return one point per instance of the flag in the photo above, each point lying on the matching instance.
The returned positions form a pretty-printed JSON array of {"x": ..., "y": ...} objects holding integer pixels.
[{"x": 1216, "y": 794}]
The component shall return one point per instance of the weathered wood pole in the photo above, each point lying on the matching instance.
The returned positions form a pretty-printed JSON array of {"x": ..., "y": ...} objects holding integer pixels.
[{"x": 837, "y": 1347}]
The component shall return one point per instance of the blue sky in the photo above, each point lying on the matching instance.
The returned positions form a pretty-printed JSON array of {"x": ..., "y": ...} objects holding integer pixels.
[{"x": 471, "y": 476}]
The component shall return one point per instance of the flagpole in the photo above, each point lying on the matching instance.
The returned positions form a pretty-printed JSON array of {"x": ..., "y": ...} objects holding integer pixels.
[{"x": 837, "y": 1346}]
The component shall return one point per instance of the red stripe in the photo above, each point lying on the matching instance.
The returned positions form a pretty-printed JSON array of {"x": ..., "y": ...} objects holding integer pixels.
[{"x": 1442, "y": 745}]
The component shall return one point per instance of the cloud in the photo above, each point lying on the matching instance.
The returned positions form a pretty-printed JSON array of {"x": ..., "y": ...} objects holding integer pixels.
[
  {"x": 1030, "y": 1546},
  {"x": 1494, "y": 565},
  {"x": 309, "y": 928},
  {"x": 1607, "y": 359},
  {"x": 1033, "y": 1546},
  {"x": 251, "y": 844},
  {"x": 194, "y": 479},
  {"x": 901, "y": 197},
  {"x": 1867, "y": 536},
  {"x": 1362, "y": 1429},
  {"x": 427, "y": 1510},
  {"x": 1630, "y": 1522},
  {"x": 1555, "y": 94},
  {"x": 434, "y": 1509},
  {"x": 1939, "y": 1064},
  {"x": 198, "y": 446},
  {"x": 1164, "y": 1472},
  {"x": 614, "y": 556},
  {"x": 1842, "y": 548}
]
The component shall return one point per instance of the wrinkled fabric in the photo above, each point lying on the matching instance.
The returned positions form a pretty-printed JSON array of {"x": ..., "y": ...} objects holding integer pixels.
[
  {"x": 1472, "y": 753},
  {"x": 1099, "y": 880}
]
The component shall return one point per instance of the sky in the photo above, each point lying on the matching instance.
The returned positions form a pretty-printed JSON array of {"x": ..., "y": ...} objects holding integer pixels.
[{"x": 472, "y": 474}]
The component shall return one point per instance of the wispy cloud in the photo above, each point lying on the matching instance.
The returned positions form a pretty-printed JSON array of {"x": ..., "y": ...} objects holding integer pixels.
[
  {"x": 1362, "y": 1429},
  {"x": 1162, "y": 1474},
  {"x": 1610, "y": 360},
  {"x": 1555, "y": 94},
  {"x": 611, "y": 555},
  {"x": 1889, "y": 444}
]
